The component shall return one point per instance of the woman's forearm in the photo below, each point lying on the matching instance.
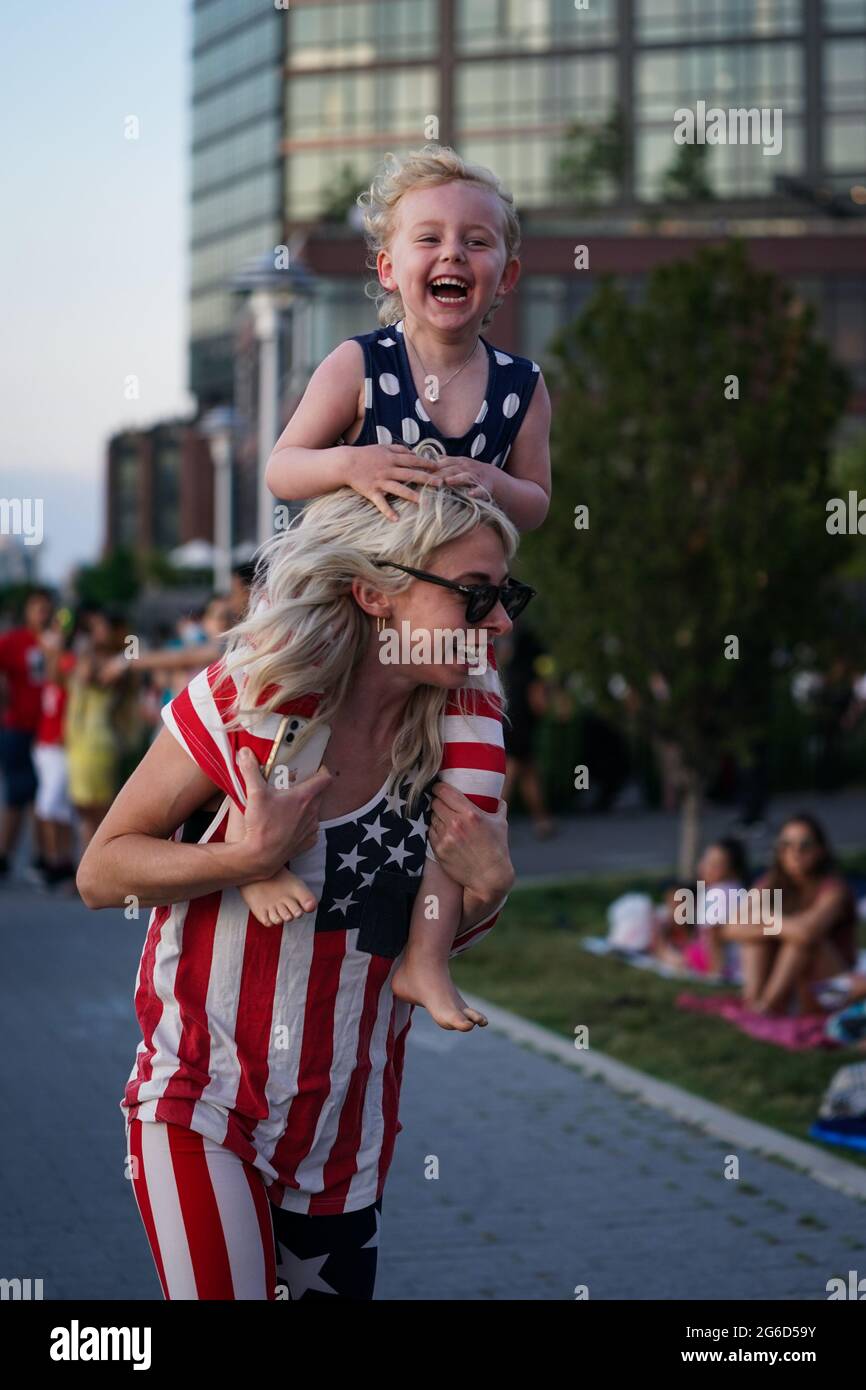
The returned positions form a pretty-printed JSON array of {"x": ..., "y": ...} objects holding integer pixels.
[
  {"x": 524, "y": 501},
  {"x": 294, "y": 473},
  {"x": 160, "y": 871}
]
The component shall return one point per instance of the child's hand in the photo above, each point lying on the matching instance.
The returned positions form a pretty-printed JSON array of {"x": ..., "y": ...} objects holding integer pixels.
[
  {"x": 283, "y": 898},
  {"x": 476, "y": 477},
  {"x": 379, "y": 469}
]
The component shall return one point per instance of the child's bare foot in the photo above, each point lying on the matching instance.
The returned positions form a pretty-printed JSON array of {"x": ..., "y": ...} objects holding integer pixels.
[
  {"x": 283, "y": 898},
  {"x": 429, "y": 984}
]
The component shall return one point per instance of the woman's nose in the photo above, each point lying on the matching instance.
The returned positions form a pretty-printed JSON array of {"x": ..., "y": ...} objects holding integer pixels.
[{"x": 498, "y": 623}]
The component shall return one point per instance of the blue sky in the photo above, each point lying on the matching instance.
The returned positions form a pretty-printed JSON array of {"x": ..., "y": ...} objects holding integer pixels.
[{"x": 94, "y": 259}]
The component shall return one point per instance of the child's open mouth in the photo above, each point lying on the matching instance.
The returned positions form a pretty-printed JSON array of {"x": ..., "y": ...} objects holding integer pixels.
[{"x": 447, "y": 291}]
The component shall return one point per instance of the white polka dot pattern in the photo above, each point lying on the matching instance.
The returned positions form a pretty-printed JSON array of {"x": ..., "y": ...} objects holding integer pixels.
[
  {"x": 481, "y": 414},
  {"x": 411, "y": 431},
  {"x": 502, "y": 358},
  {"x": 383, "y": 435},
  {"x": 477, "y": 445},
  {"x": 388, "y": 342},
  {"x": 420, "y": 411},
  {"x": 368, "y": 392},
  {"x": 510, "y": 405},
  {"x": 389, "y": 383}
]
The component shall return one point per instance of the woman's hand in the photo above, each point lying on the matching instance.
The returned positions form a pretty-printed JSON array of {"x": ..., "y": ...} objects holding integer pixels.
[
  {"x": 471, "y": 845},
  {"x": 376, "y": 470},
  {"x": 477, "y": 478},
  {"x": 278, "y": 824}
]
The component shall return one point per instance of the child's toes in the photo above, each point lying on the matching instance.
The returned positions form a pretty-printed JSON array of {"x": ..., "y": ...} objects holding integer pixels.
[
  {"x": 303, "y": 904},
  {"x": 476, "y": 1017}
]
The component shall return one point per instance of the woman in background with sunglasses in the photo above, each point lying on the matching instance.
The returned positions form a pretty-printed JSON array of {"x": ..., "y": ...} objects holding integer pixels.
[{"x": 818, "y": 936}]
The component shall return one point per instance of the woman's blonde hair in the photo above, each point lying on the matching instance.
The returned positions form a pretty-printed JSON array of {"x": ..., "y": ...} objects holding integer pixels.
[
  {"x": 306, "y": 633},
  {"x": 425, "y": 168}
]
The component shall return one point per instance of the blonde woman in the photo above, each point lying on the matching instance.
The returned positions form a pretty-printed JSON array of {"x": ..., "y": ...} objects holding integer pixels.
[{"x": 262, "y": 1109}]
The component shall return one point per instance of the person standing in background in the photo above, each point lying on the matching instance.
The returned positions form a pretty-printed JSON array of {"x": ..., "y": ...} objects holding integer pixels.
[
  {"x": 95, "y": 731},
  {"x": 22, "y": 664},
  {"x": 54, "y": 815},
  {"x": 527, "y": 702}
]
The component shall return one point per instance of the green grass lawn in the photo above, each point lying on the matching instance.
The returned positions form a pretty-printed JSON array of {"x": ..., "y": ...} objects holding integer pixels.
[{"x": 533, "y": 964}]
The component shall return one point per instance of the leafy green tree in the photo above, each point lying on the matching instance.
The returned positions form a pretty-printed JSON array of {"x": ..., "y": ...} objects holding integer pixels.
[
  {"x": 592, "y": 164},
  {"x": 695, "y": 427},
  {"x": 338, "y": 198},
  {"x": 849, "y": 475},
  {"x": 113, "y": 580},
  {"x": 687, "y": 178}
]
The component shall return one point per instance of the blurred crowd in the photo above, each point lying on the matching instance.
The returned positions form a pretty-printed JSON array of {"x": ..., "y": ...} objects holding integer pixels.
[
  {"x": 80, "y": 700},
  {"x": 81, "y": 695}
]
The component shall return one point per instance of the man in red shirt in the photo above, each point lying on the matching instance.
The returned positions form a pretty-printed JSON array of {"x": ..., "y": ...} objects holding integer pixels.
[{"x": 21, "y": 668}]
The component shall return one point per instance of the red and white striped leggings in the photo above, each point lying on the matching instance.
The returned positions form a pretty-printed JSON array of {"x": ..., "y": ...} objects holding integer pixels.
[{"x": 213, "y": 1233}]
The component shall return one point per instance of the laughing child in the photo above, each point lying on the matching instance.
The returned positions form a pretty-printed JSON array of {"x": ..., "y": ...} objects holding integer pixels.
[{"x": 425, "y": 399}]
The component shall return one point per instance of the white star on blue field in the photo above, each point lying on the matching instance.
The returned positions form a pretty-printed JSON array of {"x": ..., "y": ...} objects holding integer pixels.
[{"x": 387, "y": 840}]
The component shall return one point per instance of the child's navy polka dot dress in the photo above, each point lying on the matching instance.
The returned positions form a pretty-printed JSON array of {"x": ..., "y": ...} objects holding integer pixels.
[{"x": 394, "y": 413}]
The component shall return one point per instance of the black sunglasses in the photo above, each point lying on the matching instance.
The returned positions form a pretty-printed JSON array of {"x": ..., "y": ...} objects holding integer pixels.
[{"x": 481, "y": 599}]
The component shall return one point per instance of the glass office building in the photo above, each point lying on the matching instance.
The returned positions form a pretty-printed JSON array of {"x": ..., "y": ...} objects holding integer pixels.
[
  {"x": 294, "y": 108},
  {"x": 236, "y": 171}
]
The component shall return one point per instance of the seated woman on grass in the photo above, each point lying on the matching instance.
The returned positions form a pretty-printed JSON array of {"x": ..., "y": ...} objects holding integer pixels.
[
  {"x": 817, "y": 930},
  {"x": 698, "y": 945}
]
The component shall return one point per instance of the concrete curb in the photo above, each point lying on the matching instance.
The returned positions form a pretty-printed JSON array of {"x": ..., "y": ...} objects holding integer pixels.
[{"x": 681, "y": 1105}]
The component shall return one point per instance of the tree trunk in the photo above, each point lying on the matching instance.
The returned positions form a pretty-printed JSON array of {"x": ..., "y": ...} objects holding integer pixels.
[{"x": 690, "y": 826}]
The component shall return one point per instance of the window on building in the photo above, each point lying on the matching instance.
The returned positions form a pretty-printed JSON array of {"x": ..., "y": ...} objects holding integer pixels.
[
  {"x": 547, "y": 303},
  {"x": 523, "y": 25},
  {"x": 844, "y": 14},
  {"x": 845, "y": 105},
  {"x": 166, "y": 492},
  {"x": 235, "y": 154},
  {"x": 241, "y": 101},
  {"x": 659, "y": 21},
  {"x": 214, "y": 263},
  {"x": 360, "y": 103},
  {"x": 339, "y": 34},
  {"x": 211, "y": 313},
  {"x": 216, "y": 17},
  {"x": 763, "y": 77},
  {"x": 498, "y": 104},
  {"x": 533, "y": 91},
  {"x": 247, "y": 200},
  {"x": 317, "y": 178},
  {"x": 243, "y": 50}
]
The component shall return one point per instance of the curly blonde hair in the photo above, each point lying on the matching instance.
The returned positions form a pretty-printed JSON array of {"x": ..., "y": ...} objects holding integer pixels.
[
  {"x": 425, "y": 168},
  {"x": 306, "y": 633}
]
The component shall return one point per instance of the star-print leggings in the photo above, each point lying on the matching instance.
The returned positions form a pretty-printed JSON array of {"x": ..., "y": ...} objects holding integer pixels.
[{"x": 213, "y": 1233}]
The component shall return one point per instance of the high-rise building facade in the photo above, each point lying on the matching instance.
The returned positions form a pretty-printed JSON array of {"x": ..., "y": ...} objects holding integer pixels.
[
  {"x": 573, "y": 106},
  {"x": 236, "y": 169}
]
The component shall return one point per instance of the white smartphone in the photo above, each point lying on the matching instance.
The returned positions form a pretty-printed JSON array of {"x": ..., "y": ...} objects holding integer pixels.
[{"x": 298, "y": 766}]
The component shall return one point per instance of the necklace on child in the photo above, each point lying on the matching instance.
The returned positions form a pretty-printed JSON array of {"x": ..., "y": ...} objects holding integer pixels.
[{"x": 443, "y": 384}]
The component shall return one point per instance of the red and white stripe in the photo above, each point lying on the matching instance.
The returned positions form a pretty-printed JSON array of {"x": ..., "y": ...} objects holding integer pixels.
[
  {"x": 205, "y": 1212},
  {"x": 286, "y": 1047}
]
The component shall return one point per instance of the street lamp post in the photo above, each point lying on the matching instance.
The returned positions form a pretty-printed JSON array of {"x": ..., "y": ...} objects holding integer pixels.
[
  {"x": 218, "y": 427},
  {"x": 272, "y": 293}
]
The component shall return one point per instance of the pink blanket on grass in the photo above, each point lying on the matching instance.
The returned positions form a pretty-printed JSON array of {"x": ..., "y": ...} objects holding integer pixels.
[{"x": 796, "y": 1034}]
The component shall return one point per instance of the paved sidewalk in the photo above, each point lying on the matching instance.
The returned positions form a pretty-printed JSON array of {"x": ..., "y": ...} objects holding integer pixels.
[
  {"x": 548, "y": 1179},
  {"x": 635, "y": 839}
]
